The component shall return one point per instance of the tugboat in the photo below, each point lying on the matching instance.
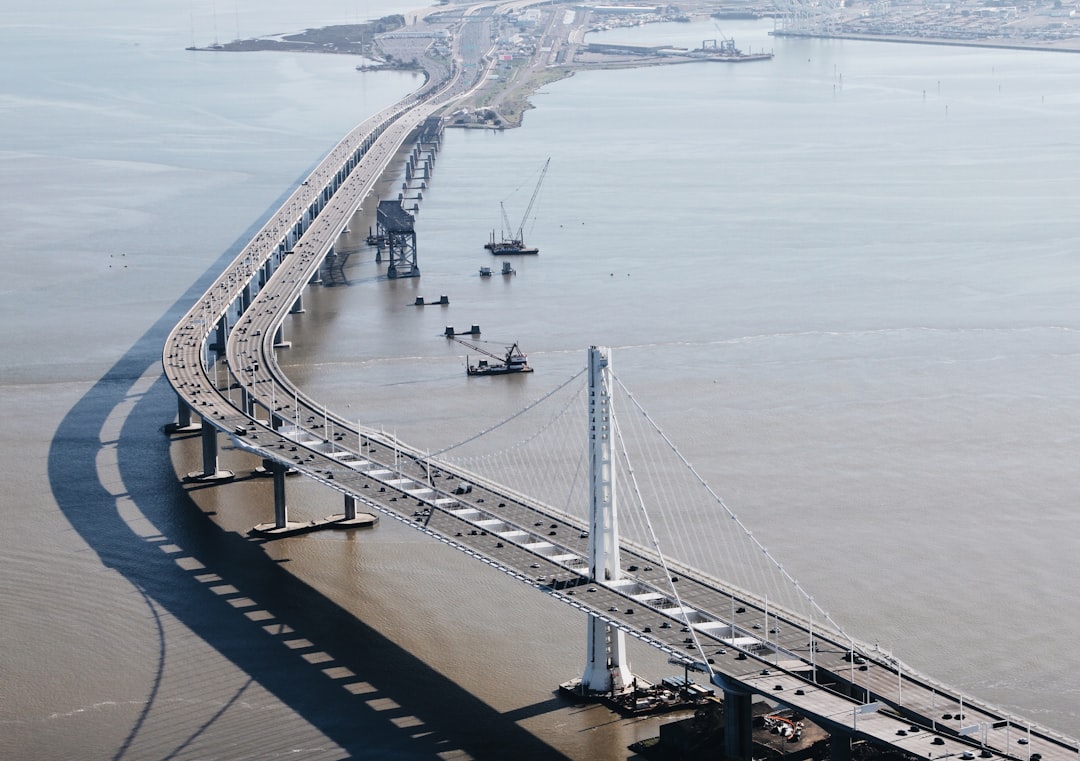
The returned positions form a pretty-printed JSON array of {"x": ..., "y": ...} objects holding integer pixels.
[
  {"x": 516, "y": 244},
  {"x": 514, "y": 361}
]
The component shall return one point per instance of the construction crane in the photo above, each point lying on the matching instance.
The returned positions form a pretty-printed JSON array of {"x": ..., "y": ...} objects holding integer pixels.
[
  {"x": 506, "y": 222},
  {"x": 514, "y": 361},
  {"x": 515, "y": 244},
  {"x": 532, "y": 201}
]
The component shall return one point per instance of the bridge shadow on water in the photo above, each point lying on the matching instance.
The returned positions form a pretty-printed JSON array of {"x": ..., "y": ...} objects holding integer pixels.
[
  {"x": 333, "y": 269},
  {"x": 346, "y": 698}
]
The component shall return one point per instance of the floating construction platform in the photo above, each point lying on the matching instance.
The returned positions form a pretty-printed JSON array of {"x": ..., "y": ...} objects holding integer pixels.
[{"x": 644, "y": 698}]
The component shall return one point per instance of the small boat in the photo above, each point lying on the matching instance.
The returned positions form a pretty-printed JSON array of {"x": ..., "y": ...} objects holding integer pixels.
[{"x": 485, "y": 272}]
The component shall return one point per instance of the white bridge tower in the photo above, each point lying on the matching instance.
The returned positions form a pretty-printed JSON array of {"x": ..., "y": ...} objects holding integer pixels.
[{"x": 606, "y": 667}]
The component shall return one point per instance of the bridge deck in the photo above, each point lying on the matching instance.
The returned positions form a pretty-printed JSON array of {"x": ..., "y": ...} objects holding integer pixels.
[{"x": 507, "y": 531}]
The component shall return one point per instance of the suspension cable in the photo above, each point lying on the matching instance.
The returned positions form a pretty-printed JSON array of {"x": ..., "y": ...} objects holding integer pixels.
[{"x": 731, "y": 514}]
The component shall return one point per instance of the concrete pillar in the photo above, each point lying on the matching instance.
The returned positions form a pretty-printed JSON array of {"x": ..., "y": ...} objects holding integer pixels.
[
  {"x": 183, "y": 414},
  {"x": 350, "y": 507},
  {"x": 738, "y": 725},
  {"x": 281, "y": 517},
  {"x": 607, "y": 667},
  {"x": 209, "y": 450},
  {"x": 183, "y": 422},
  {"x": 840, "y": 746},
  {"x": 245, "y": 298},
  {"x": 210, "y": 471},
  {"x": 221, "y": 332},
  {"x": 279, "y": 338},
  {"x": 298, "y": 305}
]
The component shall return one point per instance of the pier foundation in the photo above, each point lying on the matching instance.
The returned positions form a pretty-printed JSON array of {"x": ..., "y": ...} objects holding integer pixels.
[
  {"x": 210, "y": 471},
  {"x": 184, "y": 422}
]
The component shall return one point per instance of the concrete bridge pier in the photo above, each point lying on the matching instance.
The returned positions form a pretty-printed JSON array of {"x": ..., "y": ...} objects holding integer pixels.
[
  {"x": 316, "y": 276},
  {"x": 607, "y": 666},
  {"x": 298, "y": 305},
  {"x": 738, "y": 725},
  {"x": 221, "y": 334},
  {"x": 279, "y": 338},
  {"x": 281, "y": 517},
  {"x": 839, "y": 746},
  {"x": 183, "y": 422},
  {"x": 281, "y": 525},
  {"x": 210, "y": 471},
  {"x": 350, "y": 507}
]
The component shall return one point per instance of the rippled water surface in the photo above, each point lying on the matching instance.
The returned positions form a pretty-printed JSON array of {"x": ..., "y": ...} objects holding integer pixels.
[{"x": 843, "y": 281}]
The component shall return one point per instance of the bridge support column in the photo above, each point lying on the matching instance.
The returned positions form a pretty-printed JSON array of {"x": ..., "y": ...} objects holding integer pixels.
[
  {"x": 279, "y": 338},
  {"x": 840, "y": 746},
  {"x": 298, "y": 305},
  {"x": 738, "y": 725},
  {"x": 221, "y": 332},
  {"x": 183, "y": 422},
  {"x": 210, "y": 471},
  {"x": 281, "y": 518},
  {"x": 281, "y": 525},
  {"x": 607, "y": 668},
  {"x": 350, "y": 507},
  {"x": 183, "y": 414}
]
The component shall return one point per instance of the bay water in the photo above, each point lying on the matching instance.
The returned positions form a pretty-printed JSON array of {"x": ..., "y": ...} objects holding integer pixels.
[{"x": 842, "y": 280}]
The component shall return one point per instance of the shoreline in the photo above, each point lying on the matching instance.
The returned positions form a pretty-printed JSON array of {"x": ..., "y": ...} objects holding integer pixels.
[
  {"x": 561, "y": 52},
  {"x": 940, "y": 41}
]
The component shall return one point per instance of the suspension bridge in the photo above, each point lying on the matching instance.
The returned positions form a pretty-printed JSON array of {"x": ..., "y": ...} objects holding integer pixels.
[{"x": 658, "y": 556}]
